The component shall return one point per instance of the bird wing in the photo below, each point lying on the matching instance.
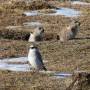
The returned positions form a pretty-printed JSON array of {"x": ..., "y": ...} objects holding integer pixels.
[{"x": 39, "y": 56}]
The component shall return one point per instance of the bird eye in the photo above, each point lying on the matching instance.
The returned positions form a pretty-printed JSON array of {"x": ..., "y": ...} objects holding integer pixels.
[{"x": 40, "y": 28}]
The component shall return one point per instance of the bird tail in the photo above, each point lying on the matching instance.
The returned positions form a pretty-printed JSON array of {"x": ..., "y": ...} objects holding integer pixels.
[{"x": 44, "y": 68}]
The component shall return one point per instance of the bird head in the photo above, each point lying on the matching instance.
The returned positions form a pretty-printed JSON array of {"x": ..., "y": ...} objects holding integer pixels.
[
  {"x": 33, "y": 46},
  {"x": 39, "y": 30},
  {"x": 77, "y": 23}
]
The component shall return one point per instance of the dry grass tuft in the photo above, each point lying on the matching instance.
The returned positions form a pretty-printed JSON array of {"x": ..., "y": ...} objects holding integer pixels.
[{"x": 25, "y": 5}]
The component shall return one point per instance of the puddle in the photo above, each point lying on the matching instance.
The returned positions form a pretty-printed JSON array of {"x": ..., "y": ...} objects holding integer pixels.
[
  {"x": 60, "y": 11},
  {"x": 26, "y": 25},
  {"x": 67, "y": 12},
  {"x": 17, "y": 27},
  {"x": 14, "y": 67},
  {"x": 32, "y": 24},
  {"x": 20, "y": 65},
  {"x": 13, "y": 27},
  {"x": 80, "y": 3},
  {"x": 59, "y": 75},
  {"x": 62, "y": 75},
  {"x": 31, "y": 13},
  {"x": 10, "y": 64},
  {"x": 14, "y": 60}
]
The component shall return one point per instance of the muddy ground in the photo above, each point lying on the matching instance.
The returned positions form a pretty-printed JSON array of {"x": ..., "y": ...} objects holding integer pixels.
[{"x": 62, "y": 57}]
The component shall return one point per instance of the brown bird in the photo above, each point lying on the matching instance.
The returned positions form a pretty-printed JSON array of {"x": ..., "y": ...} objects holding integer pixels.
[{"x": 70, "y": 32}]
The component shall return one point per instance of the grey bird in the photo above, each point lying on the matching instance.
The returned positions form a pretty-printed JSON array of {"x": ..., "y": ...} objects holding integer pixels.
[
  {"x": 70, "y": 31},
  {"x": 35, "y": 58}
]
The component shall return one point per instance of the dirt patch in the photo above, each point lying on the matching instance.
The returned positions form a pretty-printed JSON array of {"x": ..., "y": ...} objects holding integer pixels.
[
  {"x": 12, "y": 48},
  {"x": 18, "y": 81}
]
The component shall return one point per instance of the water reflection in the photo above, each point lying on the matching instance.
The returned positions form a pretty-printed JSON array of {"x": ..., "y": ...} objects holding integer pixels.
[
  {"x": 80, "y": 3},
  {"x": 62, "y": 75}
]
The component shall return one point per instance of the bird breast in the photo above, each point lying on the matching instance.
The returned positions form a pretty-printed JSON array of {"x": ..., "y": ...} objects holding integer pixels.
[
  {"x": 33, "y": 59},
  {"x": 31, "y": 38}
]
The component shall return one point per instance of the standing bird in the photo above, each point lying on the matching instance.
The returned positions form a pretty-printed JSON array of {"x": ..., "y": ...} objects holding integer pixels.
[
  {"x": 37, "y": 35},
  {"x": 35, "y": 58},
  {"x": 69, "y": 32}
]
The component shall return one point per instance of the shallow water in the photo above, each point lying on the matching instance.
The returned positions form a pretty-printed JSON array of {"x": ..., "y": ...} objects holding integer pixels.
[
  {"x": 32, "y": 24},
  {"x": 9, "y": 64},
  {"x": 20, "y": 65},
  {"x": 31, "y": 13},
  {"x": 26, "y": 25},
  {"x": 13, "y": 27},
  {"x": 79, "y": 2},
  {"x": 15, "y": 67},
  {"x": 12, "y": 60},
  {"x": 62, "y": 75},
  {"x": 68, "y": 12},
  {"x": 15, "y": 64}
]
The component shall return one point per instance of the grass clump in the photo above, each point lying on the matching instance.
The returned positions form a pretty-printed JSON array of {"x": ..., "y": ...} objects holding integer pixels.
[
  {"x": 14, "y": 34},
  {"x": 26, "y": 5}
]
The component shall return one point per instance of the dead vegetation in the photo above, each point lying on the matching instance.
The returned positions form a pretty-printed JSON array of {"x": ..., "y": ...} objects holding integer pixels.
[
  {"x": 81, "y": 81},
  {"x": 26, "y": 5},
  {"x": 60, "y": 56},
  {"x": 14, "y": 35},
  {"x": 29, "y": 81}
]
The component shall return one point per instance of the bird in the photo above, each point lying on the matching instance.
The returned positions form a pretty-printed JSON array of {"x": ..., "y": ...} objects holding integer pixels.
[
  {"x": 37, "y": 35},
  {"x": 35, "y": 58},
  {"x": 70, "y": 31}
]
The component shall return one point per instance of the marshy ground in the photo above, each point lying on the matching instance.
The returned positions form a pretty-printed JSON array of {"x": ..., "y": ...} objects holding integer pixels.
[{"x": 61, "y": 57}]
